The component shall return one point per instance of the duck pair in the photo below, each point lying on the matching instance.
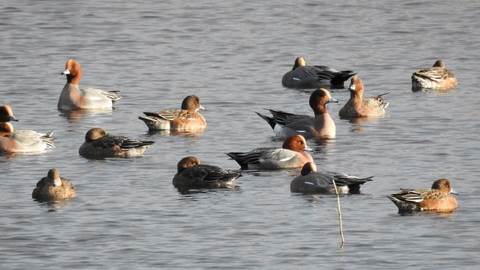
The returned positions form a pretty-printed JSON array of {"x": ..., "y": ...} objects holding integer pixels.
[
  {"x": 437, "y": 198},
  {"x": 308, "y": 77},
  {"x": 100, "y": 144},
  {"x": 322, "y": 125},
  {"x": 191, "y": 174},
  {"x": 97, "y": 141},
  {"x": 73, "y": 97}
]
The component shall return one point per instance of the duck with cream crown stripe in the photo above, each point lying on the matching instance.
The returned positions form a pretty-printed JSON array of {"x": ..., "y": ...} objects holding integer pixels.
[
  {"x": 291, "y": 155},
  {"x": 74, "y": 98}
]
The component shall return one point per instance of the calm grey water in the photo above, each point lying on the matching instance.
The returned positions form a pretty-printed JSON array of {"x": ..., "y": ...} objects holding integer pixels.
[{"x": 232, "y": 54}]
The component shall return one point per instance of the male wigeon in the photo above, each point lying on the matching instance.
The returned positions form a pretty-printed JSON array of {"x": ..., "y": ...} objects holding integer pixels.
[
  {"x": 192, "y": 174},
  {"x": 291, "y": 155},
  {"x": 435, "y": 77},
  {"x": 303, "y": 76},
  {"x": 23, "y": 141},
  {"x": 100, "y": 144},
  {"x": 73, "y": 97},
  {"x": 438, "y": 198},
  {"x": 6, "y": 114},
  {"x": 320, "y": 126},
  {"x": 358, "y": 106},
  {"x": 53, "y": 188},
  {"x": 187, "y": 119},
  {"x": 311, "y": 181}
]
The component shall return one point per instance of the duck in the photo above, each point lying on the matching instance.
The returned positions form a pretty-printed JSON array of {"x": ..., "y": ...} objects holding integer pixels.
[
  {"x": 436, "y": 77},
  {"x": 75, "y": 98},
  {"x": 21, "y": 141},
  {"x": 6, "y": 114},
  {"x": 24, "y": 141},
  {"x": 100, "y": 144},
  {"x": 358, "y": 106},
  {"x": 186, "y": 119},
  {"x": 192, "y": 174},
  {"x": 320, "y": 126},
  {"x": 311, "y": 77},
  {"x": 310, "y": 181},
  {"x": 291, "y": 155},
  {"x": 437, "y": 198},
  {"x": 53, "y": 188}
]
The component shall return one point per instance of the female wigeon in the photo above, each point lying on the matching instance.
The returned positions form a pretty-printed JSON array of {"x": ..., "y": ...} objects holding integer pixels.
[
  {"x": 311, "y": 181},
  {"x": 6, "y": 114},
  {"x": 53, "y": 188},
  {"x": 438, "y": 198},
  {"x": 435, "y": 77},
  {"x": 320, "y": 126},
  {"x": 192, "y": 174},
  {"x": 303, "y": 76},
  {"x": 291, "y": 155},
  {"x": 23, "y": 141},
  {"x": 73, "y": 98},
  {"x": 357, "y": 106},
  {"x": 186, "y": 119},
  {"x": 100, "y": 144}
]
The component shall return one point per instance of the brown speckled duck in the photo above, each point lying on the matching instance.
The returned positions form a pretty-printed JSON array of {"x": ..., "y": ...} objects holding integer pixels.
[
  {"x": 187, "y": 119},
  {"x": 53, "y": 188},
  {"x": 438, "y": 198},
  {"x": 435, "y": 77}
]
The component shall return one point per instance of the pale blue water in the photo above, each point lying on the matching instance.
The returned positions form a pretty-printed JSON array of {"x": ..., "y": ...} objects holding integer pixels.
[{"x": 232, "y": 54}]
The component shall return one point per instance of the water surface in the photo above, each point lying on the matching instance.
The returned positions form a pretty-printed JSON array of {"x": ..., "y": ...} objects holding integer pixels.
[{"x": 232, "y": 54}]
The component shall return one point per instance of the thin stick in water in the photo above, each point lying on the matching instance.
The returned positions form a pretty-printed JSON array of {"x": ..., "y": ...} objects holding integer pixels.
[{"x": 339, "y": 213}]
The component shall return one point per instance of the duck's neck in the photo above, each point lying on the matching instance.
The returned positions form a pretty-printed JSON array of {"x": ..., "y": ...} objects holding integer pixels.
[
  {"x": 74, "y": 78},
  {"x": 5, "y": 128},
  {"x": 320, "y": 110},
  {"x": 356, "y": 96}
]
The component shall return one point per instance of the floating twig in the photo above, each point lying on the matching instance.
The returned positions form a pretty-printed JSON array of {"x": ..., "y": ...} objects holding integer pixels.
[{"x": 339, "y": 210}]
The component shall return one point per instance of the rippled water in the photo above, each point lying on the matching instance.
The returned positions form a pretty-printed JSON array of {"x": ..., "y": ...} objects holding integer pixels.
[{"x": 232, "y": 54}]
